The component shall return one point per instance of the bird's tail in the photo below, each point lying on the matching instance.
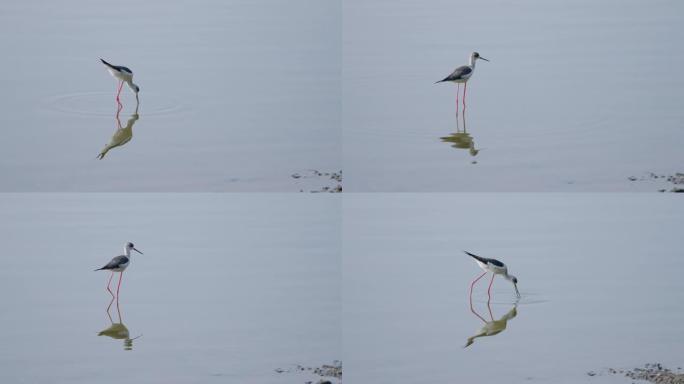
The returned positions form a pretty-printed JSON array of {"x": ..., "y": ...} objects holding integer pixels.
[
  {"x": 99, "y": 269},
  {"x": 476, "y": 257}
]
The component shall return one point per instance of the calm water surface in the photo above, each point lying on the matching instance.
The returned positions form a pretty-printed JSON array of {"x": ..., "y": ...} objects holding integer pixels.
[
  {"x": 235, "y": 96},
  {"x": 577, "y": 96},
  {"x": 600, "y": 278},
  {"x": 230, "y": 288}
]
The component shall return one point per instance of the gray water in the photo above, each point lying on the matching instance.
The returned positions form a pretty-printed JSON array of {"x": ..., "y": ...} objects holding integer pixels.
[
  {"x": 577, "y": 96},
  {"x": 600, "y": 278},
  {"x": 240, "y": 95},
  {"x": 234, "y": 95},
  {"x": 275, "y": 96},
  {"x": 230, "y": 287}
]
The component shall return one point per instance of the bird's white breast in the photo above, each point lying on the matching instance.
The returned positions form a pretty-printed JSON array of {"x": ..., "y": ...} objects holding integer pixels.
[
  {"x": 121, "y": 75},
  {"x": 464, "y": 78},
  {"x": 122, "y": 266}
]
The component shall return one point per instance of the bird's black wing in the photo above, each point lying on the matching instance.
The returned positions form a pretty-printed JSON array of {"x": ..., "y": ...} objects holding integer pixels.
[
  {"x": 485, "y": 260},
  {"x": 458, "y": 73},
  {"x": 115, "y": 262},
  {"x": 117, "y": 67}
]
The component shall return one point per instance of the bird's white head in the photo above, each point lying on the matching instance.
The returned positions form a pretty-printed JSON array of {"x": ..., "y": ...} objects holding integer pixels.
[
  {"x": 130, "y": 247},
  {"x": 474, "y": 56}
]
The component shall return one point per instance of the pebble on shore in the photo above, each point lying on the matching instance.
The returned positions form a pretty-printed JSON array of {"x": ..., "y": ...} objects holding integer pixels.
[
  {"x": 333, "y": 370},
  {"x": 334, "y": 179},
  {"x": 653, "y": 372}
]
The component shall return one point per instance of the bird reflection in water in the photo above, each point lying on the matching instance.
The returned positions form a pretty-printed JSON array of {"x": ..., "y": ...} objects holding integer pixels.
[
  {"x": 122, "y": 135},
  {"x": 118, "y": 330},
  {"x": 461, "y": 139},
  {"x": 491, "y": 327}
]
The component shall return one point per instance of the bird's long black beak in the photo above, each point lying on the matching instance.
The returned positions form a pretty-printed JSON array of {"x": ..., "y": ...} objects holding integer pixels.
[
  {"x": 516, "y": 289},
  {"x": 483, "y": 58},
  {"x": 137, "y": 251}
]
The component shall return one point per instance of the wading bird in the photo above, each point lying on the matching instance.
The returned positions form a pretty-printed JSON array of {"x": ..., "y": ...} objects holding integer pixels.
[
  {"x": 123, "y": 74},
  {"x": 119, "y": 264},
  {"x": 496, "y": 268},
  {"x": 462, "y": 74}
]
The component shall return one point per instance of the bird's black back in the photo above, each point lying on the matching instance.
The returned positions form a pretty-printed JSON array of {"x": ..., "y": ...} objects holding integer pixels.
[
  {"x": 115, "y": 263},
  {"x": 485, "y": 260},
  {"x": 458, "y": 73},
  {"x": 116, "y": 67}
]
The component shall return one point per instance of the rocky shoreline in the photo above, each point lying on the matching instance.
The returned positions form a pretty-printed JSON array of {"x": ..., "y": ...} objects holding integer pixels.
[
  {"x": 677, "y": 181},
  {"x": 652, "y": 372},
  {"x": 326, "y": 371},
  {"x": 333, "y": 179}
]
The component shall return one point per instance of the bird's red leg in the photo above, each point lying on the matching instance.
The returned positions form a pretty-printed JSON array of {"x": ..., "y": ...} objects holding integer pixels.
[
  {"x": 118, "y": 310},
  {"x": 472, "y": 310},
  {"x": 458, "y": 90},
  {"x": 108, "y": 307},
  {"x": 119, "y": 91},
  {"x": 489, "y": 290},
  {"x": 119, "y": 286},
  {"x": 465, "y": 86},
  {"x": 109, "y": 282},
  {"x": 118, "y": 111},
  {"x": 475, "y": 281},
  {"x": 108, "y": 314},
  {"x": 464, "y": 123},
  {"x": 490, "y": 311}
]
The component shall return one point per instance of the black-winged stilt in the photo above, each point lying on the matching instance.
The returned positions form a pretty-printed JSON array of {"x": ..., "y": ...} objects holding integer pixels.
[
  {"x": 496, "y": 268},
  {"x": 119, "y": 264},
  {"x": 123, "y": 74},
  {"x": 461, "y": 75}
]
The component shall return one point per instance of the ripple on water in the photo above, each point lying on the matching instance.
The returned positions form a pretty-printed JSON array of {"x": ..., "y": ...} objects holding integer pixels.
[
  {"x": 91, "y": 104},
  {"x": 527, "y": 298}
]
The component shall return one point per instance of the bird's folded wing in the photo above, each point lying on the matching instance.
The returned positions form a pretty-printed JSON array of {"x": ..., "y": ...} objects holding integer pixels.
[
  {"x": 116, "y": 262},
  {"x": 459, "y": 73}
]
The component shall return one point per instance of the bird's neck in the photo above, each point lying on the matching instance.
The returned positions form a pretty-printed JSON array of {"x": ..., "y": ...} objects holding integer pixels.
[
  {"x": 472, "y": 62},
  {"x": 127, "y": 252}
]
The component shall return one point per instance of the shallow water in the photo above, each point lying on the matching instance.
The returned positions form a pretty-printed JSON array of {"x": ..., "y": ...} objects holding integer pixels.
[
  {"x": 230, "y": 287},
  {"x": 599, "y": 277},
  {"x": 577, "y": 96},
  {"x": 235, "y": 96}
]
